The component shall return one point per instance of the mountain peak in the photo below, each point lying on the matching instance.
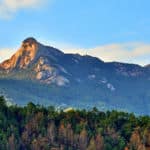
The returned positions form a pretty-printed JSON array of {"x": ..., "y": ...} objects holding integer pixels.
[
  {"x": 30, "y": 40},
  {"x": 29, "y": 44},
  {"x": 25, "y": 54},
  {"x": 29, "y": 53}
]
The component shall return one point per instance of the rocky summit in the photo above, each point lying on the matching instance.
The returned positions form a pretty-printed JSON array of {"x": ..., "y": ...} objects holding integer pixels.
[
  {"x": 23, "y": 57},
  {"x": 46, "y": 75}
]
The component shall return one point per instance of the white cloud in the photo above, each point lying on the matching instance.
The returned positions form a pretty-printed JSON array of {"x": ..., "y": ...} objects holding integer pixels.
[
  {"x": 9, "y": 7},
  {"x": 5, "y": 54}
]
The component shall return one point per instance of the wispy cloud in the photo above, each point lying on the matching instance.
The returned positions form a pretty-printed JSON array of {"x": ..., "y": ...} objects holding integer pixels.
[
  {"x": 9, "y": 7},
  {"x": 129, "y": 52},
  {"x": 6, "y": 53}
]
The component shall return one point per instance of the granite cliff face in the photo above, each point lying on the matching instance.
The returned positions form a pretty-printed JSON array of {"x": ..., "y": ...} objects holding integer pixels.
[
  {"x": 43, "y": 72},
  {"x": 38, "y": 58},
  {"x": 23, "y": 57}
]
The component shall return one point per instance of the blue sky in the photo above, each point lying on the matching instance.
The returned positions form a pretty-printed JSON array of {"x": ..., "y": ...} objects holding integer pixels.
[{"x": 114, "y": 30}]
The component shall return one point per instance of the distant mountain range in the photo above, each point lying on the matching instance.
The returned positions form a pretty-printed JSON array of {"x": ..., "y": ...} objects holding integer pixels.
[{"x": 48, "y": 76}]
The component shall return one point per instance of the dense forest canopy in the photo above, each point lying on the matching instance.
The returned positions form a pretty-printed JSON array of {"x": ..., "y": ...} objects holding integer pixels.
[{"x": 35, "y": 127}]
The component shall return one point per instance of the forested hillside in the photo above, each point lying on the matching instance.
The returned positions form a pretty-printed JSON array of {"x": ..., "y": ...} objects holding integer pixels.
[{"x": 35, "y": 127}]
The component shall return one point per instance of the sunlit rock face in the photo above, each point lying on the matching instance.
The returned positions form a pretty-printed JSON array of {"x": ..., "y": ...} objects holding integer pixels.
[
  {"x": 40, "y": 61},
  {"x": 29, "y": 49},
  {"x": 23, "y": 57}
]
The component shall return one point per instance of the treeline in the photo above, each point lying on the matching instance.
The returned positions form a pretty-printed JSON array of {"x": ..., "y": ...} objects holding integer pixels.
[{"x": 34, "y": 127}]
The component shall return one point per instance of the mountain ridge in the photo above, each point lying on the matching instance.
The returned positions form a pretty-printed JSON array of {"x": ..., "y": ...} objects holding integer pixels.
[
  {"x": 50, "y": 76},
  {"x": 32, "y": 41}
]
